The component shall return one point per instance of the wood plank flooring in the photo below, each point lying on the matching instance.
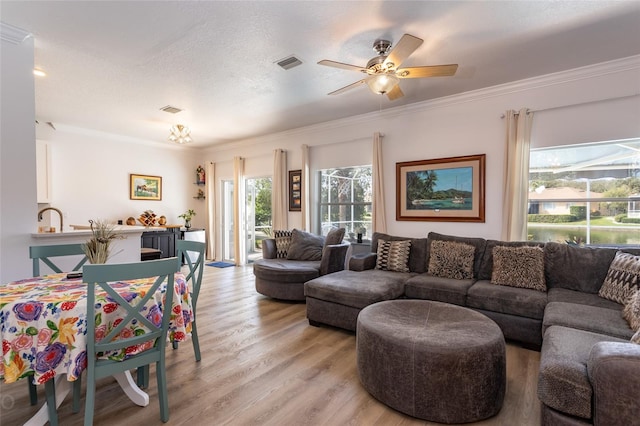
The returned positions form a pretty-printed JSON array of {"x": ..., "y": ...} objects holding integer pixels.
[{"x": 262, "y": 364}]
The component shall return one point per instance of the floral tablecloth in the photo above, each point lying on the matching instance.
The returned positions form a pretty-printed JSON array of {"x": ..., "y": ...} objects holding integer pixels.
[{"x": 43, "y": 323}]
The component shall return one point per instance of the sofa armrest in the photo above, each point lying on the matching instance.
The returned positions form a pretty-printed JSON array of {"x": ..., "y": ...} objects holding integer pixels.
[
  {"x": 362, "y": 262},
  {"x": 334, "y": 258},
  {"x": 614, "y": 372},
  {"x": 269, "y": 248}
]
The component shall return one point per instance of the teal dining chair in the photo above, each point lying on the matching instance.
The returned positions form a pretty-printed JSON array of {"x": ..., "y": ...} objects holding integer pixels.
[
  {"x": 98, "y": 277},
  {"x": 43, "y": 254},
  {"x": 187, "y": 250}
]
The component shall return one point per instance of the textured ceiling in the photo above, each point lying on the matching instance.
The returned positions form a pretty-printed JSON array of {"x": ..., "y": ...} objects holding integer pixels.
[{"x": 112, "y": 65}]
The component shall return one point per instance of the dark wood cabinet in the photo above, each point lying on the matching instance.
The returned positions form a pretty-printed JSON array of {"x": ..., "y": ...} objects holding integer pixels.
[{"x": 165, "y": 241}]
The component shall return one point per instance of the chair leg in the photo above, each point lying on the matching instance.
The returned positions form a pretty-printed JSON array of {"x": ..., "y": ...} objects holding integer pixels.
[
  {"x": 89, "y": 403},
  {"x": 77, "y": 390},
  {"x": 33, "y": 391},
  {"x": 195, "y": 341},
  {"x": 161, "y": 376},
  {"x": 142, "y": 377},
  {"x": 50, "y": 392},
  {"x": 175, "y": 344}
]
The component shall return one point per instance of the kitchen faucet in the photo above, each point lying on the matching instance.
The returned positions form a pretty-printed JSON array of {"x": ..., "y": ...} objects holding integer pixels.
[{"x": 51, "y": 208}]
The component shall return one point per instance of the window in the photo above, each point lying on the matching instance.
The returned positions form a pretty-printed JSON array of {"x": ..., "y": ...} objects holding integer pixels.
[
  {"x": 586, "y": 193},
  {"x": 345, "y": 200}
]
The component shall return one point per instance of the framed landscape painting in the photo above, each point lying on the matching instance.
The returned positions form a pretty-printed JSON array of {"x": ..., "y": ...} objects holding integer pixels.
[
  {"x": 443, "y": 189},
  {"x": 145, "y": 187}
]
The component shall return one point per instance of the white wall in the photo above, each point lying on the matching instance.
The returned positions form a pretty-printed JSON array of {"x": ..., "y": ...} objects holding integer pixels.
[
  {"x": 17, "y": 153},
  {"x": 90, "y": 177},
  {"x": 465, "y": 124}
]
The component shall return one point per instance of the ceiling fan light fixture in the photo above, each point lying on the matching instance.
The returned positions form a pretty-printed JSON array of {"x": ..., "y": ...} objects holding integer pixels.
[
  {"x": 382, "y": 83},
  {"x": 180, "y": 134}
]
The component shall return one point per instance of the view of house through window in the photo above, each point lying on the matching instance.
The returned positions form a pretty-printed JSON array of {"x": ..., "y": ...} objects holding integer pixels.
[
  {"x": 345, "y": 200},
  {"x": 585, "y": 194}
]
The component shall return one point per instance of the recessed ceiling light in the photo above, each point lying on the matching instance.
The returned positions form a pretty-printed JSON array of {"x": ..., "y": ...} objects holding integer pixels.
[{"x": 39, "y": 72}]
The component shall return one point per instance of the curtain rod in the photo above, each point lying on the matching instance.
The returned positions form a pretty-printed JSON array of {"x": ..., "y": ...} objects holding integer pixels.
[{"x": 578, "y": 104}]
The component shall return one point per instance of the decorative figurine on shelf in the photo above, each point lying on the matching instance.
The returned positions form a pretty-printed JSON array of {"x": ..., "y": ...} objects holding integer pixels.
[
  {"x": 200, "y": 194},
  {"x": 187, "y": 217},
  {"x": 200, "y": 175}
]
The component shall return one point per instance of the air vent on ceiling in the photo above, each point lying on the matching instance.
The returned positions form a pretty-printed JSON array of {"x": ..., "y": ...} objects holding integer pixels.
[
  {"x": 289, "y": 62},
  {"x": 171, "y": 109}
]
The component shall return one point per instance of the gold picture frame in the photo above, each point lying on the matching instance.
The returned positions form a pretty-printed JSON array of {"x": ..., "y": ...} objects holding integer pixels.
[
  {"x": 145, "y": 187},
  {"x": 444, "y": 189}
]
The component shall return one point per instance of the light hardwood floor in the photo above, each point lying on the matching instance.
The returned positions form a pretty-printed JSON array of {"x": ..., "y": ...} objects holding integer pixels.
[{"x": 262, "y": 364}]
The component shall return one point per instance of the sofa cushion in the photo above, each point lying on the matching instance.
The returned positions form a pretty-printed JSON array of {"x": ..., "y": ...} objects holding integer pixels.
[
  {"x": 576, "y": 268},
  {"x": 478, "y": 243},
  {"x": 286, "y": 271},
  {"x": 631, "y": 311},
  {"x": 622, "y": 278},
  {"x": 334, "y": 236},
  {"x": 450, "y": 259},
  {"x": 563, "y": 382},
  {"x": 519, "y": 267},
  {"x": 446, "y": 290},
  {"x": 357, "y": 289},
  {"x": 571, "y": 296},
  {"x": 393, "y": 255},
  {"x": 283, "y": 240},
  {"x": 305, "y": 246},
  {"x": 486, "y": 264},
  {"x": 587, "y": 318},
  {"x": 507, "y": 300},
  {"x": 417, "y": 253}
]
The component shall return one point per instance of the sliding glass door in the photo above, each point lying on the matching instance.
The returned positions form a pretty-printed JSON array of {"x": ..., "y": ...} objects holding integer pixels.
[{"x": 258, "y": 215}]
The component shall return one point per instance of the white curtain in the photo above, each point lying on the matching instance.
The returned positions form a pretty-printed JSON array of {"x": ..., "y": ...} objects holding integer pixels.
[
  {"x": 379, "y": 220},
  {"x": 239, "y": 239},
  {"x": 210, "y": 194},
  {"x": 516, "y": 178},
  {"x": 279, "y": 208},
  {"x": 305, "y": 205}
]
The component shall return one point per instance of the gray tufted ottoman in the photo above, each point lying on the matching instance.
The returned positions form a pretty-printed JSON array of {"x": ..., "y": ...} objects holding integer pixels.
[{"x": 432, "y": 360}]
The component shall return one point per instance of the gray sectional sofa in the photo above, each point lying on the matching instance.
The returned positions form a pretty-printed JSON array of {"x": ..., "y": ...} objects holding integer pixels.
[{"x": 589, "y": 369}]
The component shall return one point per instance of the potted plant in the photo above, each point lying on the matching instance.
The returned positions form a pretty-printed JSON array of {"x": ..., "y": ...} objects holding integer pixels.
[
  {"x": 187, "y": 217},
  {"x": 98, "y": 247}
]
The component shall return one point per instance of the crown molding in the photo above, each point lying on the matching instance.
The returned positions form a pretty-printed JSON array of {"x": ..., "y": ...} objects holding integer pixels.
[{"x": 13, "y": 35}]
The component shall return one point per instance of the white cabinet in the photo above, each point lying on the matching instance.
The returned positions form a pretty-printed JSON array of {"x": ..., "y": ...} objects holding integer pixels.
[{"x": 43, "y": 171}]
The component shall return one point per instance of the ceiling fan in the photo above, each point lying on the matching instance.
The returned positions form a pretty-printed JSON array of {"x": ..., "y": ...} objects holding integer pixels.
[{"x": 383, "y": 74}]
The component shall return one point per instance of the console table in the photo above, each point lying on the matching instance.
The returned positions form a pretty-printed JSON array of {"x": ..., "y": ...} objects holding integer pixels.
[{"x": 163, "y": 239}]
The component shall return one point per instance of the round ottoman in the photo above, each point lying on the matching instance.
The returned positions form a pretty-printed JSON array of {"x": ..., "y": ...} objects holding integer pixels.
[{"x": 432, "y": 360}]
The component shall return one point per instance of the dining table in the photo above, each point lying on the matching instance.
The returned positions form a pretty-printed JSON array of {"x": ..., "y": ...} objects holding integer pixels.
[{"x": 43, "y": 329}]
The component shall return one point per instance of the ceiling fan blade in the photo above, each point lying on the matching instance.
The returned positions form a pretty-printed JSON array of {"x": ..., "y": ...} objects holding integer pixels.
[
  {"x": 395, "y": 93},
  {"x": 430, "y": 71},
  {"x": 341, "y": 65},
  {"x": 401, "y": 51},
  {"x": 345, "y": 88}
]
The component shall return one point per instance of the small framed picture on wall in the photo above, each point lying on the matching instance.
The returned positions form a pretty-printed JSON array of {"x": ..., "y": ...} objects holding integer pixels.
[{"x": 295, "y": 190}]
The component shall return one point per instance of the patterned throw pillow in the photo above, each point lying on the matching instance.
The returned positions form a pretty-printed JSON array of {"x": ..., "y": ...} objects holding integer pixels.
[
  {"x": 519, "y": 267},
  {"x": 393, "y": 255},
  {"x": 636, "y": 338},
  {"x": 283, "y": 240},
  {"x": 631, "y": 311},
  {"x": 622, "y": 278},
  {"x": 450, "y": 259}
]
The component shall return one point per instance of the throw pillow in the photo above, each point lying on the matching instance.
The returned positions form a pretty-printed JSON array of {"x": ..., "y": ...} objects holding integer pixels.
[
  {"x": 334, "y": 236},
  {"x": 519, "y": 267},
  {"x": 636, "y": 338},
  {"x": 622, "y": 278},
  {"x": 631, "y": 311},
  {"x": 393, "y": 255},
  {"x": 450, "y": 259},
  {"x": 283, "y": 240},
  {"x": 305, "y": 246}
]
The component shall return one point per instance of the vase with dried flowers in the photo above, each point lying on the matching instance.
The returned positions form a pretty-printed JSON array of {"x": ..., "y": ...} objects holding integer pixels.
[{"x": 98, "y": 247}]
